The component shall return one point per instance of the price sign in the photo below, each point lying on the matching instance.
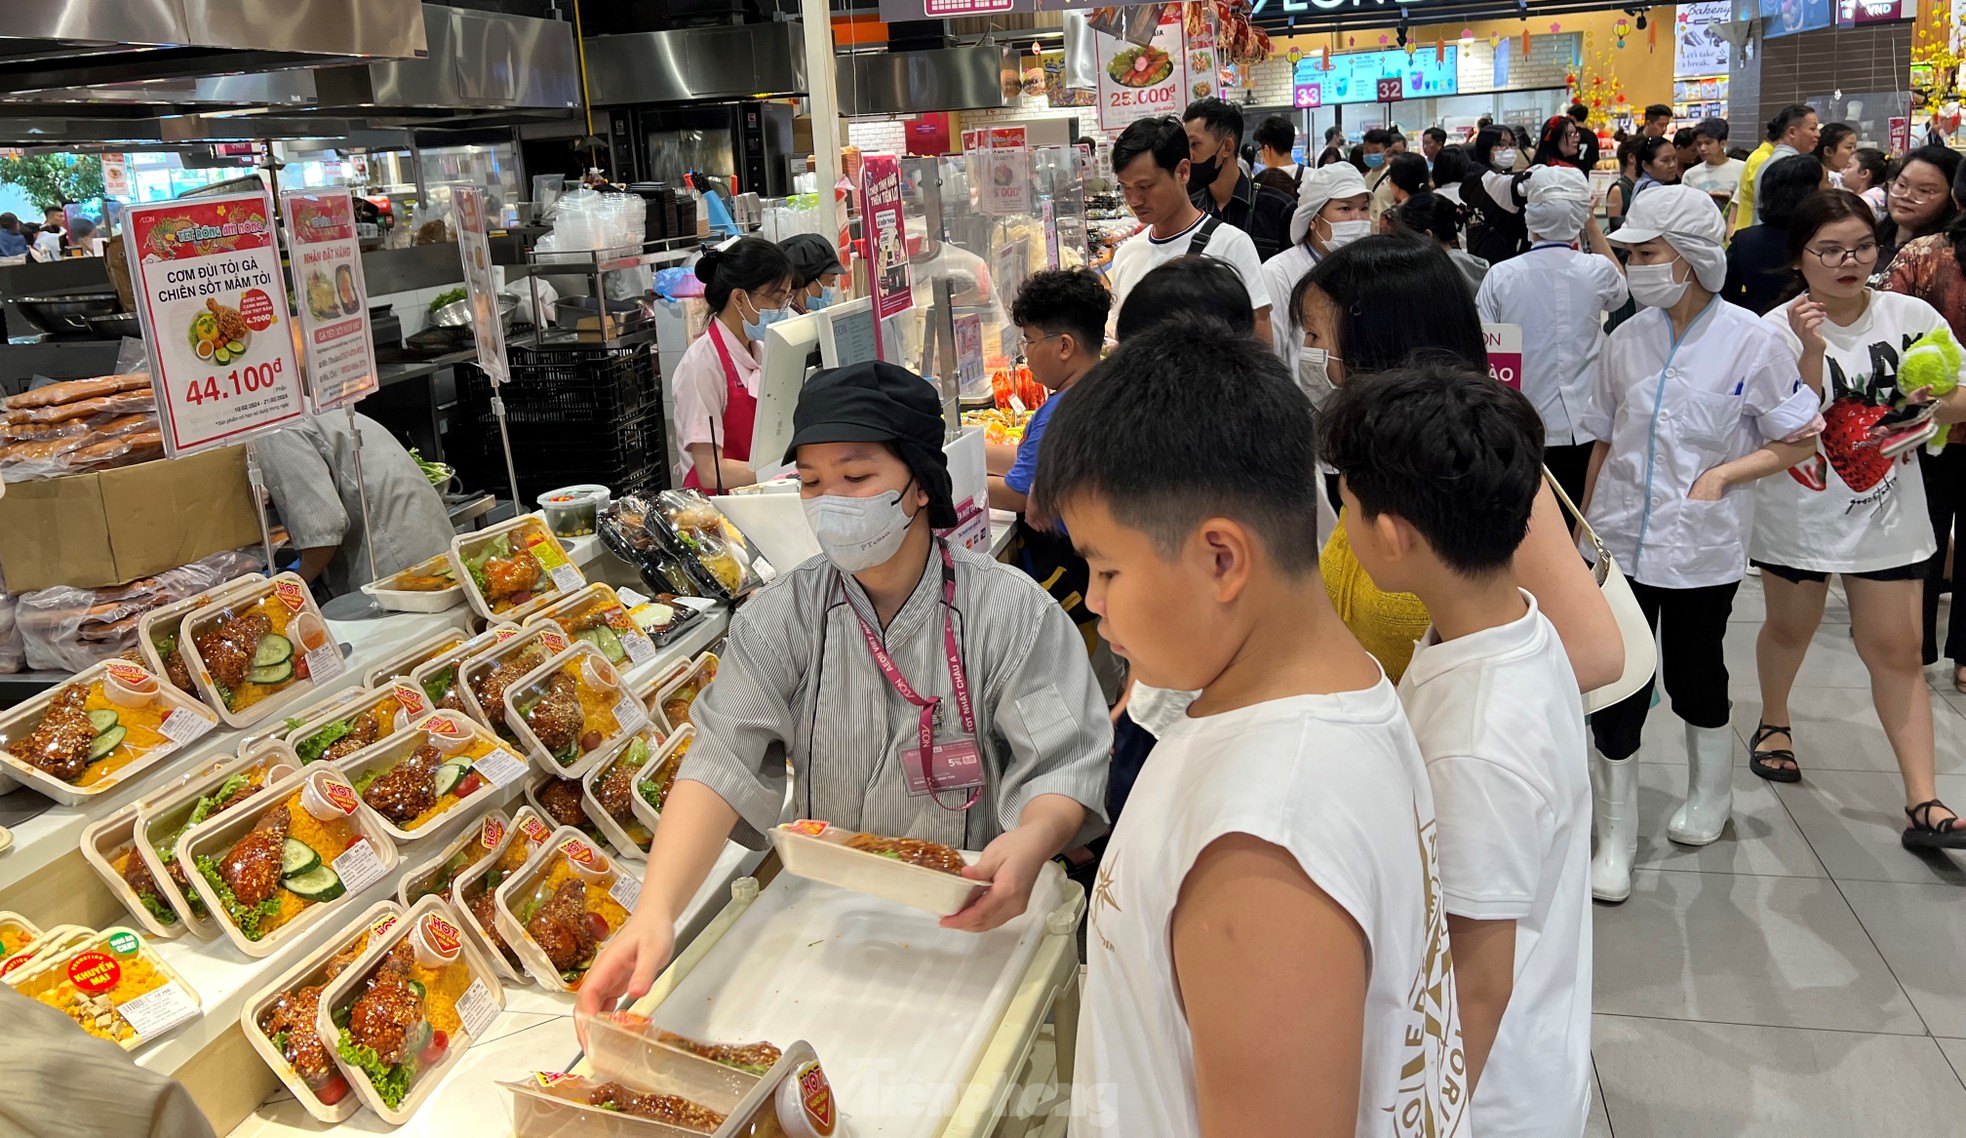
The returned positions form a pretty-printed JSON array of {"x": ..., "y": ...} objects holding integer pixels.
[
  {"x": 1305, "y": 96},
  {"x": 1504, "y": 342},
  {"x": 213, "y": 304},
  {"x": 334, "y": 299},
  {"x": 1392, "y": 90},
  {"x": 1001, "y": 163},
  {"x": 474, "y": 249},
  {"x": 1137, "y": 81},
  {"x": 969, "y": 350}
]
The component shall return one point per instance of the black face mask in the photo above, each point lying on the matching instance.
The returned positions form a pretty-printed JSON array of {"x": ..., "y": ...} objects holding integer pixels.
[{"x": 1201, "y": 175}]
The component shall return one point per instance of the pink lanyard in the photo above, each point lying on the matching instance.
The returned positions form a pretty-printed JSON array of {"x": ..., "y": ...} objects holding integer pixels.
[{"x": 959, "y": 683}]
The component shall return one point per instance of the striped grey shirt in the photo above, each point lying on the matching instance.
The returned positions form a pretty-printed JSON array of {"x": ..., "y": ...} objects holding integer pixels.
[{"x": 797, "y": 682}]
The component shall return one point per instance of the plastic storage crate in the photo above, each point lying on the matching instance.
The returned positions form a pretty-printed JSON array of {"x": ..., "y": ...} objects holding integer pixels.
[
  {"x": 575, "y": 415},
  {"x": 574, "y": 384}
]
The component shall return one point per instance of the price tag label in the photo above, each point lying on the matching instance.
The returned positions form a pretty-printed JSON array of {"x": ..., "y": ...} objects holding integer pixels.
[
  {"x": 476, "y": 1009},
  {"x": 358, "y": 867},
  {"x": 500, "y": 768},
  {"x": 629, "y": 712},
  {"x": 640, "y": 648},
  {"x": 566, "y": 577},
  {"x": 182, "y": 726},
  {"x": 325, "y": 662},
  {"x": 625, "y": 890},
  {"x": 158, "y": 1010}
]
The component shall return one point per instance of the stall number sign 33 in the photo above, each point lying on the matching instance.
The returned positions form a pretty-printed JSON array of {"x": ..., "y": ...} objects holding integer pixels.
[{"x": 239, "y": 381}]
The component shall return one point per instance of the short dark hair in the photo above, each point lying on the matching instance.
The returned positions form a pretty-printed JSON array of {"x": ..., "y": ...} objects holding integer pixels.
[
  {"x": 1832, "y": 136},
  {"x": 1395, "y": 294},
  {"x": 1332, "y": 132},
  {"x": 1276, "y": 133},
  {"x": 1218, "y": 116},
  {"x": 1657, "y": 111},
  {"x": 1160, "y": 136},
  {"x": 1190, "y": 283},
  {"x": 1408, "y": 172},
  {"x": 1685, "y": 136},
  {"x": 1450, "y": 165},
  {"x": 1163, "y": 453},
  {"x": 1378, "y": 136},
  {"x": 1579, "y": 111},
  {"x": 1784, "y": 183},
  {"x": 1786, "y": 118},
  {"x": 749, "y": 263},
  {"x": 1454, "y": 453},
  {"x": 9, "y": 222},
  {"x": 1715, "y": 129},
  {"x": 1823, "y": 208},
  {"x": 1435, "y": 133},
  {"x": 1649, "y": 146},
  {"x": 1074, "y": 301}
]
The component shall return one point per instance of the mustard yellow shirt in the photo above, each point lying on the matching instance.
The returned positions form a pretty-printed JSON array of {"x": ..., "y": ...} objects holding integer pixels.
[{"x": 1386, "y": 624}]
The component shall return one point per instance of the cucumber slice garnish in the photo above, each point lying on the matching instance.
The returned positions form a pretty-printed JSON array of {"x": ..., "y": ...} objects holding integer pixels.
[
  {"x": 318, "y": 884},
  {"x": 102, "y": 720},
  {"x": 417, "y": 987},
  {"x": 297, "y": 858},
  {"x": 272, "y": 674},
  {"x": 273, "y": 649},
  {"x": 449, "y": 775},
  {"x": 106, "y": 742},
  {"x": 604, "y": 639}
]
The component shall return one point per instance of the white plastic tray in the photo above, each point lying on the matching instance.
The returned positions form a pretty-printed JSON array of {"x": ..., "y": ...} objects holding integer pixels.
[
  {"x": 499, "y": 762},
  {"x": 456, "y": 656},
  {"x": 112, "y": 837},
  {"x": 165, "y": 811},
  {"x": 482, "y": 838},
  {"x": 600, "y": 597},
  {"x": 173, "y": 615},
  {"x": 115, "y": 943},
  {"x": 585, "y": 662},
  {"x": 544, "y": 640},
  {"x": 289, "y": 590},
  {"x": 618, "y": 836},
  {"x": 695, "y": 673},
  {"x": 417, "y": 600},
  {"x": 558, "y": 574},
  {"x": 52, "y": 940},
  {"x": 21, "y": 721},
  {"x": 565, "y": 844},
  {"x": 529, "y": 831},
  {"x": 818, "y": 851},
  {"x": 411, "y": 706},
  {"x": 671, "y": 747}
]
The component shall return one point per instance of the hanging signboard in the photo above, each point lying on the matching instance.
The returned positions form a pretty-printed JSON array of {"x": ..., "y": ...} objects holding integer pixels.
[
  {"x": 1138, "y": 81},
  {"x": 335, "y": 341},
  {"x": 212, "y": 303},
  {"x": 474, "y": 249},
  {"x": 1699, "y": 50},
  {"x": 115, "y": 175},
  {"x": 884, "y": 242},
  {"x": 1000, "y": 161}
]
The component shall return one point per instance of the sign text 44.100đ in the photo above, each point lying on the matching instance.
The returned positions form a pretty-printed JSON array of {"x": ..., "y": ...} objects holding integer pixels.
[{"x": 240, "y": 381}]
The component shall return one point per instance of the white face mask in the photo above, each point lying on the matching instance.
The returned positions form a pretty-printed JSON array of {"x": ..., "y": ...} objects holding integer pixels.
[
  {"x": 1655, "y": 286},
  {"x": 858, "y": 533},
  {"x": 1314, "y": 374},
  {"x": 1504, "y": 158},
  {"x": 1343, "y": 233}
]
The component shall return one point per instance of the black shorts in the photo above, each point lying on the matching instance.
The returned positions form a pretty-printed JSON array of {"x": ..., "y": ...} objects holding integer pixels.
[{"x": 1913, "y": 572}]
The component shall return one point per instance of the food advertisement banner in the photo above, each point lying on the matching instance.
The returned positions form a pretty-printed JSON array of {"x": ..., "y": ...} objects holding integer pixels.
[
  {"x": 212, "y": 303},
  {"x": 884, "y": 240},
  {"x": 1000, "y": 159},
  {"x": 1698, "y": 50},
  {"x": 1136, "y": 81},
  {"x": 474, "y": 249},
  {"x": 334, "y": 299}
]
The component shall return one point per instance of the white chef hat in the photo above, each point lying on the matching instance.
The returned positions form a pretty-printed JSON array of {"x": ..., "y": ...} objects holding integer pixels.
[
  {"x": 1324, "y": 184},
  {"x": 1685, "y": 217},
  {"x": 1558, "y": 201}
]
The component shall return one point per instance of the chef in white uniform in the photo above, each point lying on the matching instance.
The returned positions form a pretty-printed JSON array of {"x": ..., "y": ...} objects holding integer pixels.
[{"x": 1333, "y": 209}]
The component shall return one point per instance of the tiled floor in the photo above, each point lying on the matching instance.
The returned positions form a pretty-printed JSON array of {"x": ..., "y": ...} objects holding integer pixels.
[{"x": 1804, "y": 976}]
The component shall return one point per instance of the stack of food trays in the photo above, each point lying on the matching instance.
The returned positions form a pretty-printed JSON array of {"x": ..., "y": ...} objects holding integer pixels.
[
  {"x": 161, "y": 630},
  {"x": 418, "y": 781},
  {"x": 511, "y": 570},
  {"x": 483, "y": 677},
  {"x": 560, "y": 908},
  {"x": 474, "y": 889},
  {"x": 571, "y": 711},
  {"x": 112, "y": 984},
  {"x": 260, "y": 649},
  {"x": 429, "y": 586},
  {"x": 285, "y": 862},
  {"x": 597, "y": 615},
  {"x": 110, "y": 723},
  {"x": 671, "y": 706}
]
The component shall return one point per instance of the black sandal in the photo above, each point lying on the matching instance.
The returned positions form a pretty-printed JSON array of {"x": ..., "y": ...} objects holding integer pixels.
[
  {"x": 1949, "y": 834},
  {"x": 1763, "y": 762}
]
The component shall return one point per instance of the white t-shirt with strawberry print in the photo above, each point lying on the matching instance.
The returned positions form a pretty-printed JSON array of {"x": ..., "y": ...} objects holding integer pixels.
[{"x": 1869, "y": 513}]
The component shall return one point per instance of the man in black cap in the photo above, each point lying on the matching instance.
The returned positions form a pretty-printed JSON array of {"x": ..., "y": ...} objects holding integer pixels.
[
  {"x": 816, "y": 271},
  {"x": 917, "y": 689}
]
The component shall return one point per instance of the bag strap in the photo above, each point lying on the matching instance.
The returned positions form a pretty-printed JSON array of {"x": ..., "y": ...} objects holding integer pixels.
[
  {"x": 1198, "y": 244},
  {"x": 1589, "y": 533}
]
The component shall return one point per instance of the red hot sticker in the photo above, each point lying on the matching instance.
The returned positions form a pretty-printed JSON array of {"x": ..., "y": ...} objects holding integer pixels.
[
  {"x": 580, "y": 853},
  {"x": 411, "y": 699},
  {"x": 554, "y": 641},
  {"x": 292, "y": 594},
  {"x": 256, "y": 308},
  {"x": 441, "y": 725},
  {"x": 441, "y": 935},
  {"x": 94, "y": 972},
  {"x": 816, "y": 1095},
  {"x": 340, "y": 794},
  {"x": 534, "y": 830},
  {"x": 383, "y": 924},
  {"x": 128, "y": 674},
  {"x": 808, "y": 827},
  {"x": 492, "y": 834}
]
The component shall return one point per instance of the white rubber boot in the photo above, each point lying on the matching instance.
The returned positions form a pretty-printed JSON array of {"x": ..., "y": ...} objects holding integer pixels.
[
  {"x": 1614, "y": 801},
  {"x": 1709, "y": 786}
]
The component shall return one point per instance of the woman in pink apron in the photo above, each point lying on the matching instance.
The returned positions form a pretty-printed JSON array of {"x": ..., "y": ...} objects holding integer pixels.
[{"x": 747, "y": 283}]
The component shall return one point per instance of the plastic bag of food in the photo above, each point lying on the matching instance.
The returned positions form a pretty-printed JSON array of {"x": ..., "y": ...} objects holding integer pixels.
[
  {"x": 627, "y": 532},
  {"x": 710, "y": 546},
  {"x": 67, "y": 629}
]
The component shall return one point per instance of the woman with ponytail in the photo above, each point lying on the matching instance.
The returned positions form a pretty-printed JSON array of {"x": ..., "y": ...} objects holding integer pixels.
[
  {"x": 747, "y": 282},
  {"x": 1440, "y": 218}
]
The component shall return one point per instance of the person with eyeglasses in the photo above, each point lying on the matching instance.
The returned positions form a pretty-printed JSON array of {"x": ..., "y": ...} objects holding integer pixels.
[
  {"x": 1919, "y": 202},
  {"x": 1060, "y": 316},
  {"x": 1850, "y": 509}
]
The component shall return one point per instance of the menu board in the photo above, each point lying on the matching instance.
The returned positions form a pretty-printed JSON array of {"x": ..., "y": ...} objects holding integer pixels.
[
  {"x": 334, "y": 298},
  {"x": 474, "y": 249},
  {"x": 211, "y": 300},
  {"x": 1354, "y": 76},
  {"x": 1698, "y": 49},
  {"x": 1138, "y": 81}
]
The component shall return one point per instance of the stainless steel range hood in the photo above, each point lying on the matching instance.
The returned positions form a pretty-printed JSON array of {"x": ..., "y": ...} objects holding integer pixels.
[
  {"x": 910, "y": 82},
  {"x": 52, "y": 44},
  {"x": 478, "y": 61},
  {"x": 688, "y": 65}
]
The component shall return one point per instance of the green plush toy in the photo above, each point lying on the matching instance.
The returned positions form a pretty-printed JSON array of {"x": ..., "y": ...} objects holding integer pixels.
[{"x": 1931, "y": 364}]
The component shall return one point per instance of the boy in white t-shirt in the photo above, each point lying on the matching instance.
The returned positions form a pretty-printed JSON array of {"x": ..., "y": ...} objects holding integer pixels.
[
  {"x": 1441, "y": 466},
  {"x": 1267, "y": 956}
]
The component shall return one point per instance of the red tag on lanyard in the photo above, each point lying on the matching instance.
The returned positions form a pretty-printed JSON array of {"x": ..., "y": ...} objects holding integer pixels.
[{"x": 957, "y": 763}]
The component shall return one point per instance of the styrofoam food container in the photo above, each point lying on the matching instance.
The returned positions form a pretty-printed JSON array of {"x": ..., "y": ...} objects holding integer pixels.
[
  {"x": 216, "y": 836},
  {"x": 701, "y": 671},
  {"x": 476, "y": 843},
  {"x": 456, "y": 737},
  {"x": 411, "y": 705},
  {"x": 557, "y": 575},
  {"x": 304, "y": 621},
  {"x": 435, "y": 921},
  {"x": 158, "y": 815},
  {"x": 543, "y": 641},
  {"x": 110, "y": 838},
  {"x": 184, "y": 720},
  {"x": 119, "y": 947},
  {"x": 618, "y": 834},
  {"x": 525, "y": 837},
  {"x": 310, "y": 970},
  {"x": 399, "y": 664},
  {"x": 589, "y": 863},
  {"x": 817, "y": 850},
  {"x": 172, "y": 616},
  {"x": 673, "y": 750},
  {"x": 600, "y": 599},
  {"x": 417, "y": 600},
  {"x": 619, "y": 716}
]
